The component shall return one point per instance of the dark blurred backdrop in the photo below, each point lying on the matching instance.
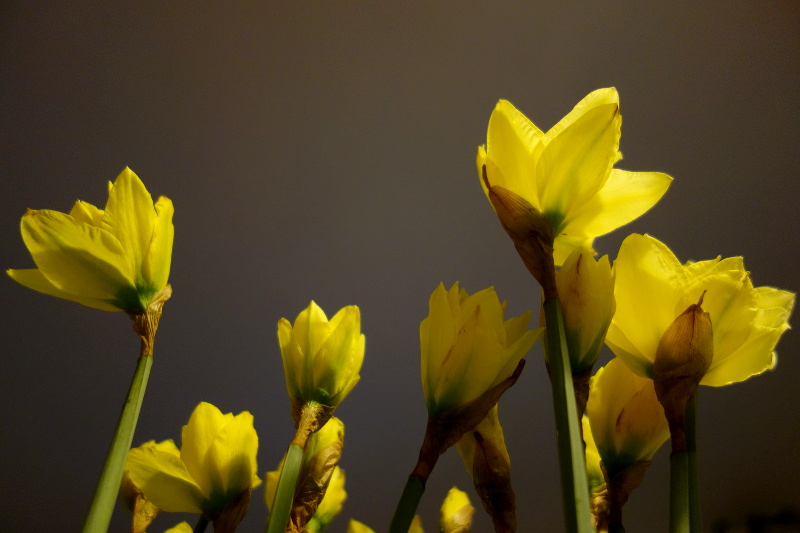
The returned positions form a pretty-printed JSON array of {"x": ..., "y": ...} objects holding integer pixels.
[{"x": 325, "y": 150}]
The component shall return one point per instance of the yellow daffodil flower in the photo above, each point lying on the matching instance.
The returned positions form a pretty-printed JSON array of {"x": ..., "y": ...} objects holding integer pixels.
[
  {"x": 214, "y": 468},
  {"x": 183, "y": 527},
  {"x": 115, "y": 259},
  {"x": 653, "y": 289},
  {"x": 586, "y": 290},
  {"x": 566, "y": 174},
  {"x": 455, "y": 515},
  {"x": 468, "y": 347},
  {"x": 627, "y": 421},
  {"x": 319, "y": 494},
  {"x": 321, "y": 358}
]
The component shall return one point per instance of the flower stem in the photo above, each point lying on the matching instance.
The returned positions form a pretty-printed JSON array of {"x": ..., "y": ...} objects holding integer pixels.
[
  {"x": 574, "y": 485},
  {"x": 201, "y": 525},
  {"x": 284, "y": 494},
  {"x": 678, "y": 492},
  {"x": 407, "y": 506},
  {"x": 691, "y": 453},
  {"x": 105, "y": 495}
]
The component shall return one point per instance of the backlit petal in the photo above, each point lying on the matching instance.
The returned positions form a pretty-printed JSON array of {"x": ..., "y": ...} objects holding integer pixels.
[
  {"x": 197, "y": 436},
  {"x": 34, "y": 279},
  {"x": 130, "y": 216},
  {"x": 231, "y": 460},
  {"x": 156, "y": 265},
  {"x": 625, "y": 197},
  {"x": 77, "y": 258}
]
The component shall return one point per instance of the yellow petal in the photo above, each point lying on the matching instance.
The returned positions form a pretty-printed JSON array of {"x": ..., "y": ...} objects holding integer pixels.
[
  {"x": 311, "y": 329},
  {"x": 78, "y": 258},
  {"x": 34, "y": 279},
  {"x": 183, "y": 527},
  {"x": 625, "y": 197},
  {"x": 197, "y": 436},
  {"x": 231, "y": 460},
  {"x": 158, "y": 260},
  {"x": 510, "y": 141},
  {"x": 593, "y": 469},
  {"x": 357, "y": 527},
  {"x": 455, "y": 515},
  {"x": 436, "y": 332},
  {"x": 130, "y": 216},
  {"x": 87, "y": 213},
  {"x": 576, "y": 162},
  {"x": 294, "y": 361},
  {"x": 649, "y": 295},
  {"x": 627, "y": 421},
  {"x": 163, "y": 479},
  {"x": 339, "y": 359}
]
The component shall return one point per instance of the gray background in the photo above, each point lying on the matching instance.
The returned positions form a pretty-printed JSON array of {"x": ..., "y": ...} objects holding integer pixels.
[{"x": 326, "y": 150}]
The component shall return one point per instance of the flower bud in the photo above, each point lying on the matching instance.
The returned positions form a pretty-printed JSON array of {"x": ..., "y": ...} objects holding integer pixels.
[
  {"x": 486, "y": 458},
  {"x": 321, "y": 357},
  {"x": 456, "y": 513},
  {"x": 684, "y": 354},
  {"x": 586, "y": 290}
]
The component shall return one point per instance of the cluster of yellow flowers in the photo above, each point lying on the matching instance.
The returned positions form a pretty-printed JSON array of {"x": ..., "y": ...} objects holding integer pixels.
[{"x": 671, "y": 326}]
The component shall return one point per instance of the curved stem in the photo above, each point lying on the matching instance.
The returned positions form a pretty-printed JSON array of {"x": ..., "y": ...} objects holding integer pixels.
[
  {"x": 105, "y": 495},
  {"x": 284, "y": 494},
  {"x": 574, "y": 485}
]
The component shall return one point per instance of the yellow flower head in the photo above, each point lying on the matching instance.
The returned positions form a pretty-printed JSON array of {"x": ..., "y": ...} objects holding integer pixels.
[
  {"x": 116, "y": 259},
  {"x": 321, "y": 358},
  {"x": 215, "y": 464},
  {"x": 586, "y": 290},
  {"x": 455, "y": 516},
  {"x": 566, "y": 173},
  {"x": 653, "y": 289},
  {"x": 468, "y": 347},
  {"x": 627, "y": 421}
]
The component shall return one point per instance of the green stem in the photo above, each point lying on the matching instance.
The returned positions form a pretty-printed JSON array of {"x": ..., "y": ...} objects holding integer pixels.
[
  {"x": 691, "y": 451},
  {"x": 407, "y": 506},
  {"x": 202, "y": 523},
  {"x": 284, "y": 494},
  {"x": 678, "y": 492},
  {"x": 574, "y": 485},
  {"x": 105, "y": 495}
]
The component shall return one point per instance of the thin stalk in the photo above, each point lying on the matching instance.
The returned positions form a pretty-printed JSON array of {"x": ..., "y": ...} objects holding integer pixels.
[
  {"x": 105, "y": 495},
  {"x": 574, "y": 485},
  {"x": 678, "y": 492},
  {"x": 284, "y": 494},
  {"x": 201, "y": 525},
  {"x": 691, "y": 452},
  {"x": 407, "y": 506}
]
